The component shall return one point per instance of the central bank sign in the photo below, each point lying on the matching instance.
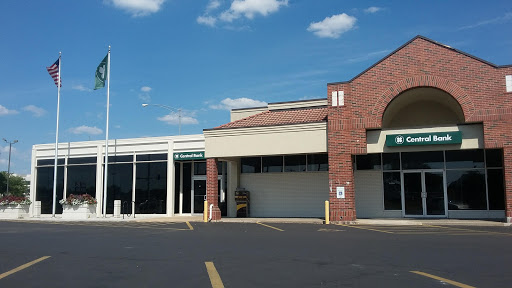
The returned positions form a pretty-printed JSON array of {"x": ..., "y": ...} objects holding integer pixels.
[
  {"x": 184, "y": 156},
  {"x": 454, "y": 137}
]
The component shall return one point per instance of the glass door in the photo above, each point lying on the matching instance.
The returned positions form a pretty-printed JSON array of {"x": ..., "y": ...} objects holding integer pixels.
[
  {"x": 424, "y": 193},
  {"x": 199, "y": 195}
]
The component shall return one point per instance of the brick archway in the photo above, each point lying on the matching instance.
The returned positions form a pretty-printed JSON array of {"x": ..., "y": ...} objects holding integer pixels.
[{"x": 423, "y": 81}]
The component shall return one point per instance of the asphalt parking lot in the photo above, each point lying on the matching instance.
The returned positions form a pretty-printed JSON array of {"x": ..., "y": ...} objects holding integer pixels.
[{"x": 195, "y": 254}]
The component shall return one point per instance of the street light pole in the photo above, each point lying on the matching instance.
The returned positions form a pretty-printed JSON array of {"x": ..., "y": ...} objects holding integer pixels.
[
  {"x": 9, "y": 163},
  {"x": 170, "y": 109}
]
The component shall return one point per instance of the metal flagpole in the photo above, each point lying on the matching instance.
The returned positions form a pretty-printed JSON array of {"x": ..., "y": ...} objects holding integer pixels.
[
  {"x": 56, "y": 145},
  {"x": 105, "y": 178}
]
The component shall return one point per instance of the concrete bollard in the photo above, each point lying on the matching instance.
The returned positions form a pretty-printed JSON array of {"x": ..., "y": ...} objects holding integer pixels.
[
  {"x": 37, "y": 209},
  {"x": 117, "y": 208}
]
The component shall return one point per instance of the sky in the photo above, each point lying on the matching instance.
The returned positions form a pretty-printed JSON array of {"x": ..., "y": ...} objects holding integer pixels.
[{"x": 204, "y": 57}]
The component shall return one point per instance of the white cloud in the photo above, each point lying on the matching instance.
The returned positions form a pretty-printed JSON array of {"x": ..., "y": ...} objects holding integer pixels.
[
  {"x": 502, "y": 19},
  {"x": 214, "y": 4},
  {"x": 138, "y": 8},
  {"x": 334, "y": 26},
  {"x": 38, "y": 112},
  {"x": 228, "y": 104},
  {"x": 250, "y": 8},
  {"x": 145, "y": 89},
  {"x": 4, "y": 111},
  {"x": 86, "y": 130},
  {"x": 371, "y": 10},
  {"x": 81, "y": 87},
  {"x": 207, "y": 20},
  {"x": 174, "y": 119}
]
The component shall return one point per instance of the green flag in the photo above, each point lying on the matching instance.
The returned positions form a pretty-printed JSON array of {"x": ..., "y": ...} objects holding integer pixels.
[{"x": 101, "y": 74}]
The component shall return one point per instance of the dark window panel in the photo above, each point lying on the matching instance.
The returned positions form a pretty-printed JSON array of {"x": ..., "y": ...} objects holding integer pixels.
[
  {"x": 368, "y": 162},
  {"x": 272, "y": 164},
  {"x": 494, "y": 157},
  {"x": 81, "y": 180},
  {"x": 119, "y": 159},
  {"x": 199, "y": 168},
  {"x": 48, "y": 162},
  {"x": 151, "y": 157},
  {"x": 251, "y": 165},
  {"x": 466, "y": 190},
  {"x": 391, "y": 161},
  {"x": 44, "y": 189},
  {"x": 392, "y": 191},
  {"x": 318, "y": 162},
  {"x": 295, "y": 163},
  {"x": 119, "y": 186},
  {"x": 151, "y": 188},
  {"x": 496, "y": 189},
  {"x": 464, "y": 159},
  {"x": 82, "y": 160},
  {"x": 422, "y": 160}
]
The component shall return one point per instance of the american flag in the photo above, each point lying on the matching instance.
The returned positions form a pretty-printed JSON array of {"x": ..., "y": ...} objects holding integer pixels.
[{"x": 54, "y": 72}]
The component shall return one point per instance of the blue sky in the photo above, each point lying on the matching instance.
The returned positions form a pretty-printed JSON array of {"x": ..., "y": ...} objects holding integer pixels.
[{"x": 205, "y": 57}]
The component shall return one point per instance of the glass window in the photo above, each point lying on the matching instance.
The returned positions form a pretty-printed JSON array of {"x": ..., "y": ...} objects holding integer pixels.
[
  {"x": 391, "y": 161},
  {"x": 48, "y": 162},
  {"x": 114, "y": 159},
  {"x": 422, "y": 160},
  {"x": 392, "y": 191},
  {"x": 119, "y": 186},
  {"x": 465, "y": 159},
  {"x": 251, "y": 165},
  {"x": 295, "y": 163},
  {"x": 44, "y": 189},
  {"x": 199, "y": 168},
  {"x": 82, "y": 160},
  {"x": 496, "y": 189},
  {"x": 151, "y": 157},
  {"x": 466, "y": 190},
  {"x": 151, "y": 188},
  {"x": 494, "y": 157},
  {"x": 368, "y": 162},
  {"x": 272, "y": 164},
  {"x": 318, "y": 162},
  {"x": 81, "y": 180}
]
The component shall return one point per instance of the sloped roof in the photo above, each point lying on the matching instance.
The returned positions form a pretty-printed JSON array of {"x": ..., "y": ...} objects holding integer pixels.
[{"x": 280, "y": 117}]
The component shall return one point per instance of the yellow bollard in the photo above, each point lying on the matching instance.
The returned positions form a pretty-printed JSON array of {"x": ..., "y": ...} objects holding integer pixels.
[
  {"x": 205, "y": 211},
  {"x": 326, "y": 212}
]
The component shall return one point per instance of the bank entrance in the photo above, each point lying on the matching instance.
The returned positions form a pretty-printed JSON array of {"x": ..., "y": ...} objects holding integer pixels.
[{"x": 424, "y": 193}]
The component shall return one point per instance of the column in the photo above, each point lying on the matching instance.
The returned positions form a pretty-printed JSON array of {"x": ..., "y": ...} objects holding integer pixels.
[{"x": 212, "y": 189}]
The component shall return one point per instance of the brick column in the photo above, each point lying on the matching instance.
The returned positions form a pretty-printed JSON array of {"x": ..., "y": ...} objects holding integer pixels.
[
  {"x": 341, "y": 175},
  {"x": 212, "y": 188},
  {"x": 507, "y": 165}
]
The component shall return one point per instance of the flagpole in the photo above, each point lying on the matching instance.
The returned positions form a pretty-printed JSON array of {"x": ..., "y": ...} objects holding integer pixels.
[
  {"x": 56, "y": 145},
  {"x": 106, "y": 139}
]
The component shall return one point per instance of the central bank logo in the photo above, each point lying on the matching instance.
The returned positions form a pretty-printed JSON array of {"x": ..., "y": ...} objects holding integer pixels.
[{"x": 399, "y": 139}]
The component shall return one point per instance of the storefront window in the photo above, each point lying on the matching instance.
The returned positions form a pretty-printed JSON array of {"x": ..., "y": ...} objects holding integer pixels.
[
  {"x": 272, "y": 164},
  {"x": 464, "y": 159},
  {"x": 391, "y": 161},
  {"x": 466, "y": 190},
  {"x": 392, "y": 191},
  {"x": 199, "y": 168},
  {"x": 48, "y": 162},
  {"x": 82, "y": 160},
  {"x": 318, "y": 162},
  {"x": 119, "y": 186},
  {"x": 151, "y": 188},
  {"x": 496, "y": 189},
  {"x": 151, "y": 157},
  {"x": 295, "y": 163},
  {"x": 44, "y": 189},
  {"x": 423, "y": 160},
  {"x": 81, "y": 180},
  {"x": 494, "y": 157},
  {"x": 251, "y": 165},
  {"x": 368, "y": 162}
]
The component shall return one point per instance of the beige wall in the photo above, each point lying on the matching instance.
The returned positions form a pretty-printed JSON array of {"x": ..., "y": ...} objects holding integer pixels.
[
  {"x": 272, "y": 140},
  {"x": 472, "y": 138}
]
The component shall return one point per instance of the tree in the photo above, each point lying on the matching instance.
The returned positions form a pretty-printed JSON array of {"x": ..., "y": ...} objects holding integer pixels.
[{"x": 17, "y": 185}]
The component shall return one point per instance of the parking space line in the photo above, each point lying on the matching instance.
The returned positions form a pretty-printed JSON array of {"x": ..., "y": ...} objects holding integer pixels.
[
  {"x": 351, "y": 226},
  {"x": 214, "y": 275},
  {"x": 454, "y": 283},
  {"x": 190, "y": 226},
  {"x": 471, "y": 230},
  {"x": 3, "y": 275},
  {"x": 270, "y": 226}
]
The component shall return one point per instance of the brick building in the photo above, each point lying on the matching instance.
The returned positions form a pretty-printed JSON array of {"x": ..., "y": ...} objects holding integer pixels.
[{"x": 425, "y": 132}]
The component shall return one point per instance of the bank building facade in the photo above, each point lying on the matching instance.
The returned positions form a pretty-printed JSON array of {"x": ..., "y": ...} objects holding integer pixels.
[{"x": 426, "y": 132}]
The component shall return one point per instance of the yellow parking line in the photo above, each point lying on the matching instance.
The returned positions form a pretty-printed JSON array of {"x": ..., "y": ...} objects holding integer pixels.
[
  {"x": 270, "y": 226},
  {"x": 454, "y": 283},
  {"x": 190, "y": 226},
  {"x": 214, "y": 275},
  {"x": 464, "y": 229},
  {"x": 3, "y": 275},
  {"x": 357, "y": 227}
]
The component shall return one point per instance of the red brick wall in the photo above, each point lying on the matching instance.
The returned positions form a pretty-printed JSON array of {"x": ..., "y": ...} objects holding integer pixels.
[
  {"x": 478, "y": 87},
  {"x": 212, "y": 191}
]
